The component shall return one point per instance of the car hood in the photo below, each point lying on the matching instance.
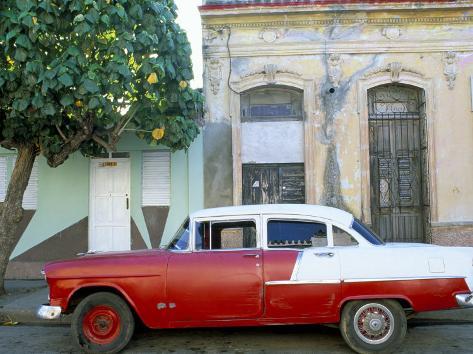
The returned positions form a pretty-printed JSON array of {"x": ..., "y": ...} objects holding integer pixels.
[{"x": 110, "y": 264}]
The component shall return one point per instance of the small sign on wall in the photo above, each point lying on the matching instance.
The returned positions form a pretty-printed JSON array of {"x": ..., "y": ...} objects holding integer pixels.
[{"x": 109, "y": 164}]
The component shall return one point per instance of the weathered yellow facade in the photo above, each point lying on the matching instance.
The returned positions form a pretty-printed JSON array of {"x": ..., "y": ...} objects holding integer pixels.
[{"x": 334, "y": 54}]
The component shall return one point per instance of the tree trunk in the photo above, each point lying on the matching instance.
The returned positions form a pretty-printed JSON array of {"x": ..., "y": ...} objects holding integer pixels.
[{"x": 11, "y": 211}]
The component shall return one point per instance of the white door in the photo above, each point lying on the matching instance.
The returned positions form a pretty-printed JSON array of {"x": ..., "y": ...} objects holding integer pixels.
[{"x": 109, "y": 224}]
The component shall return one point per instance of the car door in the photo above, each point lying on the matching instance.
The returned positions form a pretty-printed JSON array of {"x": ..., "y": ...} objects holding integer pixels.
[
  {"x": 310, "y": 286},
  {"x": 222, "y": 277}
]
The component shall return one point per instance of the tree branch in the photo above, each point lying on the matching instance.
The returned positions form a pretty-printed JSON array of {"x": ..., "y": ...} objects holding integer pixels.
[
  {"x": 63, "y": 136},
  {"x": 73, "y": 144},
  {"x": 103, "y": 143}
]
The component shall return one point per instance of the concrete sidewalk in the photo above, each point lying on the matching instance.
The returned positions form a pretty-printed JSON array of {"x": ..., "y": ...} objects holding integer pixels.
[
  {"x": 22, "y": 301},
  {"x": 25, "y": 296}
]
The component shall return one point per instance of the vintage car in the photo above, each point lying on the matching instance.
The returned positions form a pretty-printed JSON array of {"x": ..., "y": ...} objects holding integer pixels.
[{"x": 261, "y": 265}]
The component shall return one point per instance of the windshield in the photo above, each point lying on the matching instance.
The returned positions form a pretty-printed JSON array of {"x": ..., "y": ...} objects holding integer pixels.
[
  {"x": 366, "y": 232},
  {"x": 180, "y": 240}
]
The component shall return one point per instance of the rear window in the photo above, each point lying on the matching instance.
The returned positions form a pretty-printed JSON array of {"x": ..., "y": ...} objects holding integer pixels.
[{"x": 366, "y": 232}]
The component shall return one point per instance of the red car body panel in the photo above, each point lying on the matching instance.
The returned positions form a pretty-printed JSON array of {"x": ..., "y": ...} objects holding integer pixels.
[{"x": 194, "y": 289}]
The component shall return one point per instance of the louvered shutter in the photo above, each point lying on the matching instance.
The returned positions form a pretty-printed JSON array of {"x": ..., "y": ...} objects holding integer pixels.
[
  {"x": 3, "y": 178},
  {"x": 156, "y": 186},
  {"x": 30, "y": 198}
]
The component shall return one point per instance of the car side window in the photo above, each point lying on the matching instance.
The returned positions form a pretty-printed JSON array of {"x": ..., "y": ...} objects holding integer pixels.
[
  {"x": 217, "y": 235},
  {"x": 296, "y": 234},
  {"x": 342, "y": 238}
]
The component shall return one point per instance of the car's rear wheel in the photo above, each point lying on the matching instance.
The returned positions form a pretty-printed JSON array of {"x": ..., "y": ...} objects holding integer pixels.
[
  {"x": 373, "y": 326},
  {"x": 102, "y": 323}
]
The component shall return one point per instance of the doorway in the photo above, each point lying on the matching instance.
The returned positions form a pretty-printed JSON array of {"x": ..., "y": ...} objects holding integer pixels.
[
  {"x": 398, "y": 163},
  {"x": 109, "y": 214}
]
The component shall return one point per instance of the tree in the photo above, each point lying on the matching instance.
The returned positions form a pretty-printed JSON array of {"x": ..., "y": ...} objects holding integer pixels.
[{"x": 75, "y": 73}]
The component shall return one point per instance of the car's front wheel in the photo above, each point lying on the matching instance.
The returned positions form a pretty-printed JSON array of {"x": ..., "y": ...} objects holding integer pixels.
[
  {"x": 373, "y": 326},
  {"x": 102, "y": 323}
]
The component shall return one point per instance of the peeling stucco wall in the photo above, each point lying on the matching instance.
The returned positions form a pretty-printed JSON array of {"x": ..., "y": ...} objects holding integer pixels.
[{"x": 337, "y": 50}]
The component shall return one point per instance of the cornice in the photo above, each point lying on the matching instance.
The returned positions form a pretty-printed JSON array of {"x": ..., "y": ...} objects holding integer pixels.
[
  {"x": 328, "y": 6},
  {"x": 439, "y": 20},
  {"x": 342, "y": 47}
]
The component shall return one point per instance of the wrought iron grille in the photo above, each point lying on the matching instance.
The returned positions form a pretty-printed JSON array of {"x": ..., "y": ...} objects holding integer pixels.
[{"x": 398, "y": 163}]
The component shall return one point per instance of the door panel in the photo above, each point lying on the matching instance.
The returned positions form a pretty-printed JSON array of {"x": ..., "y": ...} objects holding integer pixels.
[
  {"x": 273, "y": 183},
  {"x": 109, "y": 205},
  {"x": 215, "y": 285}
]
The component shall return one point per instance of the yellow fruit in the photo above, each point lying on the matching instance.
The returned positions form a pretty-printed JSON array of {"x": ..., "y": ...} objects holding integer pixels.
[
  {"x": 79, "y": 103},
  {"x": 152, "y": 78},
  {"x": 158, "y": 133},
  {"x": 35, "y": 20},
  {"x": 183, "y": 84}
]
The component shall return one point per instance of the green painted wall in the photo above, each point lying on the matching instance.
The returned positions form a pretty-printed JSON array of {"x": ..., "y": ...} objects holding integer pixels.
[
  {"x": 63, "y": 192},
  {"x": 63, "y": 200}
]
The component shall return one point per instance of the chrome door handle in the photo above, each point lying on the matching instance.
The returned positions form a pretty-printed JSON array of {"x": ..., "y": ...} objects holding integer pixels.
[
  {"x": 255, "y": 255},
  {"x": 325, "y": 254}
]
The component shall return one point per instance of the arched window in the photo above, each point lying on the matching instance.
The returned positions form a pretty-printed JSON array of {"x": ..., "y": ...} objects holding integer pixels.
[{"x": 271, "y": 103}]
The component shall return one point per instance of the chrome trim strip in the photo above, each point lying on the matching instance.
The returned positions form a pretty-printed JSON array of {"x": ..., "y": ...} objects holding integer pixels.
[
  {"x": 302, "y": 282},
  {"x": 295, "y": 270},
  {"x": 464, "y": 300},
  {"x": 364, "y": 280},
  {"x": 49, "y": 312}
]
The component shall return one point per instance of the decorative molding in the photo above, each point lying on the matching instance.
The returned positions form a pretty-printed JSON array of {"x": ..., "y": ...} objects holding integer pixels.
[
  {"x": 269, "y": 72},
  {"x": 214, "y": 74},
  {"x": 334, "y": 69},
  {"x": 210, "y": 34},
  {"x": 270, "y": 35},
  {"x": 395, "y": 68},
  {"x": 391, "y": 32},
  {"x": 389, "y": 21},
  {"x": 450, "y": 68}
]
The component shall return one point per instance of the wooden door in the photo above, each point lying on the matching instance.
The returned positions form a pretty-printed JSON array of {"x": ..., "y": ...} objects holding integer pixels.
[{"x": 273, "y": 184}]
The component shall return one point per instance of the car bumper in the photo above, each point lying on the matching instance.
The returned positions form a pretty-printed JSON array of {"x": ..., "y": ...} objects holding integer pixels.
[
  {"x": 464, "y": 300},
  {"x": 47, "y": 312}
]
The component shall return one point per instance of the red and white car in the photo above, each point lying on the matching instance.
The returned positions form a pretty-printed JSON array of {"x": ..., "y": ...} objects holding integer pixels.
[{"x": 261, "y": 265}]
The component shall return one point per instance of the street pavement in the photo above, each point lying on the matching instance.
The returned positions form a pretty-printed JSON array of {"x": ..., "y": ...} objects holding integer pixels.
[{"x": 285, "y": 339}]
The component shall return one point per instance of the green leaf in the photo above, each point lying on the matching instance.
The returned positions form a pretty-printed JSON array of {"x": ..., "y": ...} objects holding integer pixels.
[
  {"x": 20, "y": 104},
  {"x": 78, "y": 18},
  {"x": 27, "y": 21},
  {"x": 12, "y": 33},
  {"x": 67, "y": 100},
  {"x": 136, "y": 11},
  {"x": 37, "y": 101},
  {"x": 73, "y": 50},
  {"x": 93, "y": 103},
  {"x": 91, "y": 86},
  {"x": 66, "y": 80},
  {"x": 21, "y": 54},
  {"x": 24, "y": 5},
  {"x": 82, "y": 28},
  {"x": 105, "y": 19},
  {"x": 48, "y": 109},
  {"x": 92, "y": 16}
]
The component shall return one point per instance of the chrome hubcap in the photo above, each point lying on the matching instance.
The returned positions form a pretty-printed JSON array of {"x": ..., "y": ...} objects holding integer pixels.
[{"x": 374, "y": 323}]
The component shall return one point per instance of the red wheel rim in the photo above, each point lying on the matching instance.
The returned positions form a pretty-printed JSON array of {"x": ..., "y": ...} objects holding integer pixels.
[{"x": 101, "y": 324}]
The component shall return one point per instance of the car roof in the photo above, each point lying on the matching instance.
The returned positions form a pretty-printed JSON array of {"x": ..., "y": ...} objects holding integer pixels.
[{"x": 321, "y": 211}]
